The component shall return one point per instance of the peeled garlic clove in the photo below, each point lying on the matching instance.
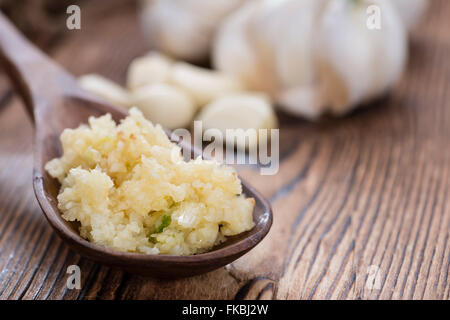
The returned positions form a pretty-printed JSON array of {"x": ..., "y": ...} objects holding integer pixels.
[
  {"x": 164, "y": 104},
  {"x": 105, "y": 88},
  {"x": 202, "y": 84},
  {"x": 151, "y": 68},
  {"x": 239, "y": 111}
]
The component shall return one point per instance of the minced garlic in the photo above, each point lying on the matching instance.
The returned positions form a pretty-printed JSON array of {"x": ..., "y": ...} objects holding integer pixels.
[{"x": 131, "y": 190}]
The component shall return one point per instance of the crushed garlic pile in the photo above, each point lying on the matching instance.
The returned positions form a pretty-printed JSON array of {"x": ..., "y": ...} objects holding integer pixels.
[{"x": 131, "y": 190}]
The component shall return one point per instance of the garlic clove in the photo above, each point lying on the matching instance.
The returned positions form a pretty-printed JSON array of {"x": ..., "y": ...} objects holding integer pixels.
[
  {"x": 233, "y": 52},
  {"x": 172, "y": 29},
  {"x": 264, "y": 29},
  {"x": 202, "y": 84},
  {"x": 184, "y": 29},
  {"x": 151, "y": 68},
  {"x": 305, "y": 101},
  {"x": 239, "y": 111},
  {"x": 164, "y": 104},
  {"x": 294, "y": 55},
  {"x": 105, "y": 88}
]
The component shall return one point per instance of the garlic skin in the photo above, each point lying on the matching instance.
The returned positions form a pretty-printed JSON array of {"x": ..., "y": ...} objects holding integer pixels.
[
  {"x": 149, "y": 69},
  {"x": 410, "y": 11},
  {"x": 164, "y": 104},
  {"x": 184, "y": 29},
  {"x": 239, "y": 111},
  {"x": 106, "y": 89},
  {"x": 314, "y": 56},
  {"x": 202, "y": 84}
]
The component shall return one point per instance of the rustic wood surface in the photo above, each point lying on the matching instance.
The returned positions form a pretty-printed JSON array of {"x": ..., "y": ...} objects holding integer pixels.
[{"x": 361, "y": 204}]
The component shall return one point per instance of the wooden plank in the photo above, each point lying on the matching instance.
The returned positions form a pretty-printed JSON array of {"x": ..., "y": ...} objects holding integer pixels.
[{"x": 361, "y": 206}]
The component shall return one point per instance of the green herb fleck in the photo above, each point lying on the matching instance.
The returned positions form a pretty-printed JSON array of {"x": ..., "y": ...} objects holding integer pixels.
[{"x": 166, "y": 221}]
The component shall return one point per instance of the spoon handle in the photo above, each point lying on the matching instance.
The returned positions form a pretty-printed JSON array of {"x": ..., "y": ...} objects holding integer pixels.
[{"x": 36, "y": 78}]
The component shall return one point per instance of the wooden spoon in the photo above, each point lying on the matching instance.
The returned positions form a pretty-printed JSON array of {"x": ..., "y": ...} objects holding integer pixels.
[{"x": 55, "y": 101}]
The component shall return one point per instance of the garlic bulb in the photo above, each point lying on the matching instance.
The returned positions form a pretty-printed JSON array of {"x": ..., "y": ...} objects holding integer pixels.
[
  {"x": 410, "y": 11},
  {"x": 149, "y": 69},
  {"x": 313, "y": 56},
  {"x": 164, "y": 104},
  {"x": 239, "y": 111},
  {"x": 106, "y": 89},
  {"x": 184, "y": 28},
  {"x": 202, "y": 84},
  {"x": 357, "y": 63}
]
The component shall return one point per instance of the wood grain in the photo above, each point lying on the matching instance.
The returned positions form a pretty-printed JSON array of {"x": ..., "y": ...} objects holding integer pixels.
[{"x": 361, "y": 204}]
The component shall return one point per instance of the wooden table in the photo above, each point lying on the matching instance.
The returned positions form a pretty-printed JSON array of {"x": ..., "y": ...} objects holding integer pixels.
[{"x": 361, "y": 204}]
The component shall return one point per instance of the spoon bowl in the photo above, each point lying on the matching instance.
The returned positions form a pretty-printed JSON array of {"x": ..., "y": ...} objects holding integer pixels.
[{"x": 55, "y": 102}]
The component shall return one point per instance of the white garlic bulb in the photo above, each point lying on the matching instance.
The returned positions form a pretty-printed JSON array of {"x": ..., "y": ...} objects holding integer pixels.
[
  {"x": 164, "y": 104},
  {"x": 357, "y": 63},
  {"x": 184, "y": 28},
  {"x": 314, "y": 56},
  {"x": 106, "y": 89},
  {"x": 204, "y": 85},
  {"x": 149, "y": 69}
]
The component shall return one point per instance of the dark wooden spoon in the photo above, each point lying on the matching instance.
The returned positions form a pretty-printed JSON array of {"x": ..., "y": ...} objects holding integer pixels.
[{"x": 55, "y": 102}]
